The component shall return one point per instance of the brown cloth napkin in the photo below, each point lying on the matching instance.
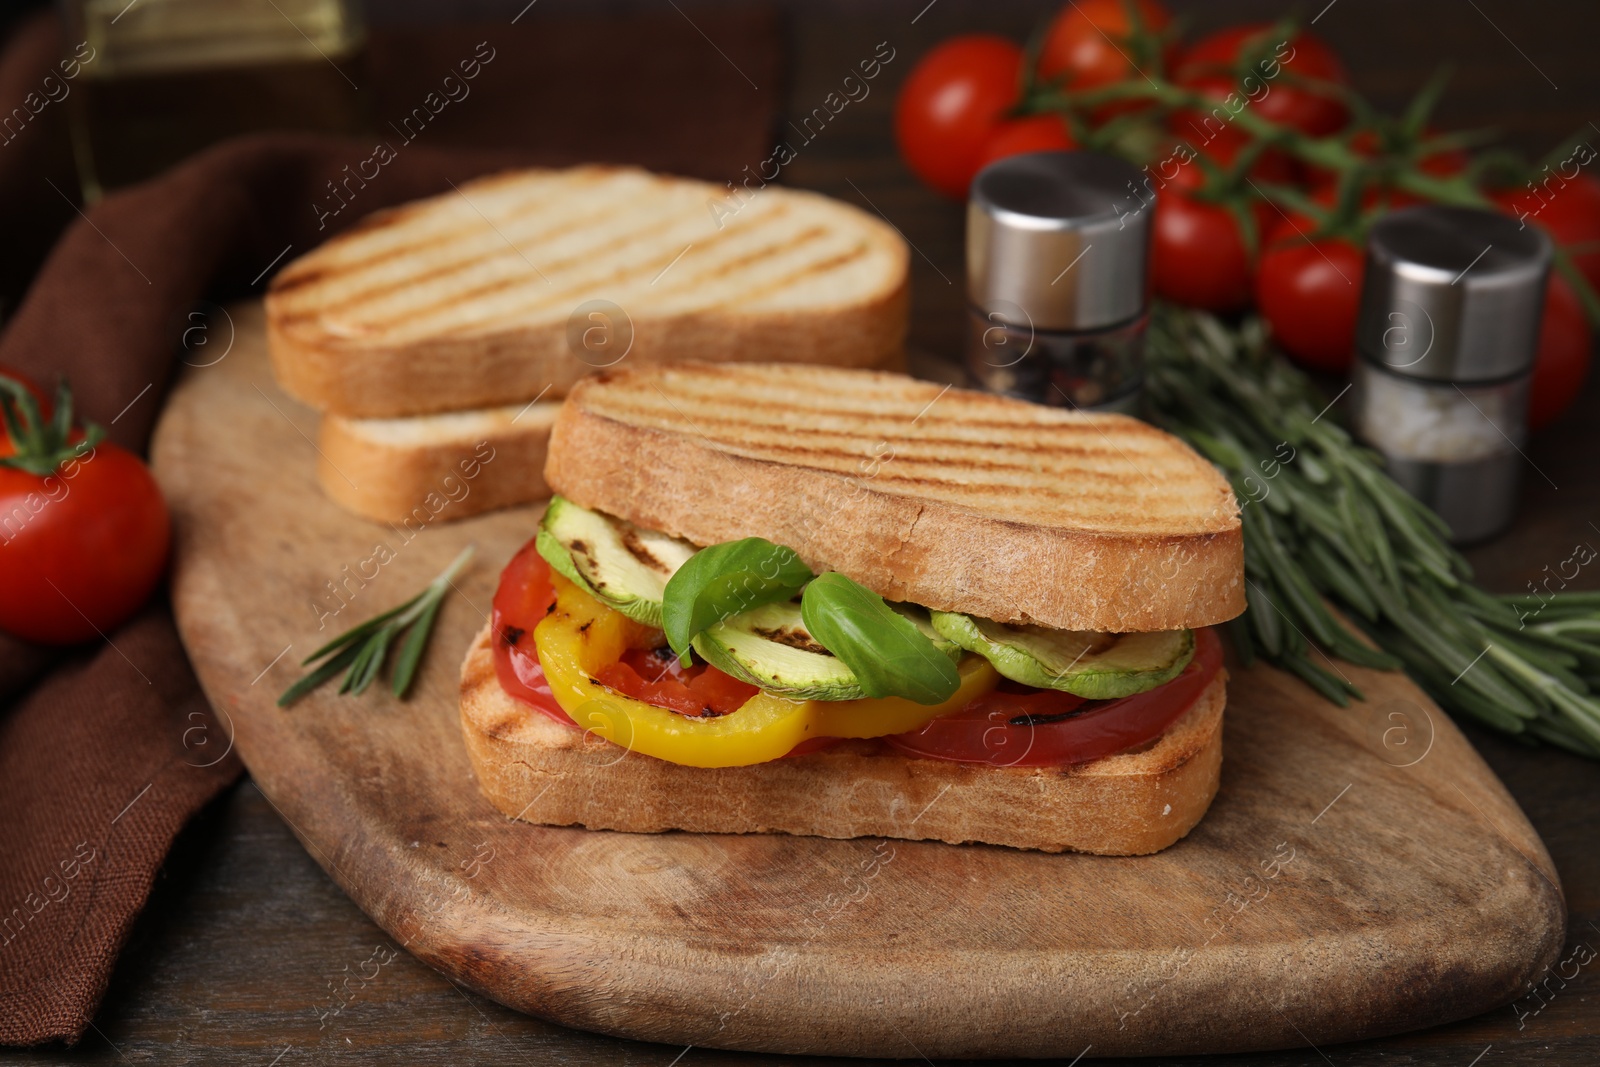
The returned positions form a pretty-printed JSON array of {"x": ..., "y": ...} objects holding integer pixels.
[{"x": 114, "y": 747}]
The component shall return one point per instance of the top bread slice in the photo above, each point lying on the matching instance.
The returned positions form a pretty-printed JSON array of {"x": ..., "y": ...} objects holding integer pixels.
[
  {"x": 486, "y": 295},
  {"x": 955, "y": 500}
]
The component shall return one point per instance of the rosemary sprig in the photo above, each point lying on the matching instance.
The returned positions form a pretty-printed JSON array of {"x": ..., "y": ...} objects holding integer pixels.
[
  {"x": 1324, "y": 524},
  {"x": 361, "y": 650}
]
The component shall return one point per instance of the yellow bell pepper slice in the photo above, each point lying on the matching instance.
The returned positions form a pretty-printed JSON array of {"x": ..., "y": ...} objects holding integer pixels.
[
  {"x": 896, "y": 715},
  {"x": 581, "y": 636}
]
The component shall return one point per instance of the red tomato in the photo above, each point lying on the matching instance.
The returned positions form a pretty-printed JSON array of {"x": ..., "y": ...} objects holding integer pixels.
[
  {"x": 988, "y": 730},
  {"x": 1446, "y": 164},
  {"x": 1199, "y": 257},
  {"x": 1290, "y": 225},
  {"x": 1309, "y": 292},
  {"x": 1565, "y": 347},
  {"x": 81, "y": 549},
  {"x": 1214, "y": 133},
  {"x": 1570, "y": 213},
  {"x": 658, "y": 677},
  {"x": 1291, "y": 94},
  {"x": 521, "y": 601},
  {"x": 1174, "y": 171},
  {"x": 1568, "y": 210},
  {"x": 950, "y": 104},
  {"x": 1087, "y": 41},
  {"x": 1036, "y": 133},
  {"x": 525, "y": 596},
  {"x": 1189, "y": 177}
]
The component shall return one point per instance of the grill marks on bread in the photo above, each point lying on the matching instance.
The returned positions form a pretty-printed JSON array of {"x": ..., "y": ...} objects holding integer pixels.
[
  {"x": 996, "y": 457},
  {"x": 527, "y": 248},
  {"x": 472, "y": 299}
]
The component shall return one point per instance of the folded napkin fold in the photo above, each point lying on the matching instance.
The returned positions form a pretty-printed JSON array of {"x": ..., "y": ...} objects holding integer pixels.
[{"x": 106, "y": 751}]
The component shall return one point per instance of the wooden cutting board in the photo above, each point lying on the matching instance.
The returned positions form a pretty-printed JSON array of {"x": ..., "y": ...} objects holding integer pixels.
[{"x": 1361, "y": 871}]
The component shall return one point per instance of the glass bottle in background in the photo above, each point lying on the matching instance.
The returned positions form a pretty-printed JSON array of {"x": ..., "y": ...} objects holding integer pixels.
[
  {"x": 1058, "y": 250},
  {"x": 161, "y": 79}
]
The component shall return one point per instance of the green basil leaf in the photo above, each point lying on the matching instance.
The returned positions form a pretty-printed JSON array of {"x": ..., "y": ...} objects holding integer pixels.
[
  {"x": 724, "y": 580},
  {"x": 887, "y": 652}
]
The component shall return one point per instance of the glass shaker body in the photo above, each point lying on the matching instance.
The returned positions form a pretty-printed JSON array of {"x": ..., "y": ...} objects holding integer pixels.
[
  {"x": 1101, "y": 368},
  {"x": 1455, "y": 446},
  {"x": 1451, "y": 304}
]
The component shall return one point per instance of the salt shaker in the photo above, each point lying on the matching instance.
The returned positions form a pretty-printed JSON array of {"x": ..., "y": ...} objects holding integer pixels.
[
  {"x": 1448, "y": 329},
  {"x": 1058, "y": 247}
]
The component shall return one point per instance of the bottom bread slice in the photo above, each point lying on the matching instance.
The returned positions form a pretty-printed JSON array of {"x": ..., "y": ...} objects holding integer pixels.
[
  {"x": 440, "y": 467},
  {"x": 1133, "y": 803}
]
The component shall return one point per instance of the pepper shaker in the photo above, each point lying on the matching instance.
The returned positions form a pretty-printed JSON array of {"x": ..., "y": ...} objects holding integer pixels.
[
  {"x": 1451, "y": 305},
  {"x": 1058, "y": 247}
]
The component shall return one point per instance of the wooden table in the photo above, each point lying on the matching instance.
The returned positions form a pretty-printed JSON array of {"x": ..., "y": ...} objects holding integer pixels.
[{"x": 233, "y": 959}]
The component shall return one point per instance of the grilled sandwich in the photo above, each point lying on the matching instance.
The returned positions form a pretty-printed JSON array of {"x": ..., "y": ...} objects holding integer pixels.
[{"x": 844, "y": 603}]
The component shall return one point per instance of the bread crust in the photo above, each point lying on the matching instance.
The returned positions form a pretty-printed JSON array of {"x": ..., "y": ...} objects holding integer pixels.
[
  {"x": 456, "y": 374},
  {"x": 403, "y": 481},
  {"x": 1133, "y": 803},
  {"x": 905, "y": 547}
]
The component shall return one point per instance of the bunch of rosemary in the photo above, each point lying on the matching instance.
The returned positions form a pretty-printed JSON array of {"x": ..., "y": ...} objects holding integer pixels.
[{"x": 1323, "y": 524}]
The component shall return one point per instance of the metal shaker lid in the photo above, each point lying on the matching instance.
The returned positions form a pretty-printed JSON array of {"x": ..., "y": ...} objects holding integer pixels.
[
  {"x": 1059, "y": 240},
  {"x": 1453, "y": 294}
]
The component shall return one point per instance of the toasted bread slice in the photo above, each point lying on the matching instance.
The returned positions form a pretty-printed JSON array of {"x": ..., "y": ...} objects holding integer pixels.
[
  {"x": 951, "y": 499},
  {"x": 477, "y": 297},
  {"x": 388, "y": 469},
  {"x": 1129, "y": 804}
]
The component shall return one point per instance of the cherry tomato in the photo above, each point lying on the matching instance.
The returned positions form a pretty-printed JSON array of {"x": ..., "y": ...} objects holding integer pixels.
[
  {"x": 1198, "y": 258},
  {"x": 1565, "y": 347},
  {"x": 1036, "y": 133},
  {"x": 1190, "y": 178},
  {"x": 1213, "y": 133},
  {"x": 1289, "y": 224},
  {"x": 1292, "y": 88},
  {"x": 1569, "y": 211},
  {"x": 1176, "y": 172},
  {"x": 951, "y": 103},
  {"x": 1087, "y": 41},
  {"x": 1570, "y": 214},
  {"x": 80, "y": 549},
  {"x": 1445, "y": 164},
  {"x": 1058, "y": 729},
  {"x": 1309, "y": 292}
]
